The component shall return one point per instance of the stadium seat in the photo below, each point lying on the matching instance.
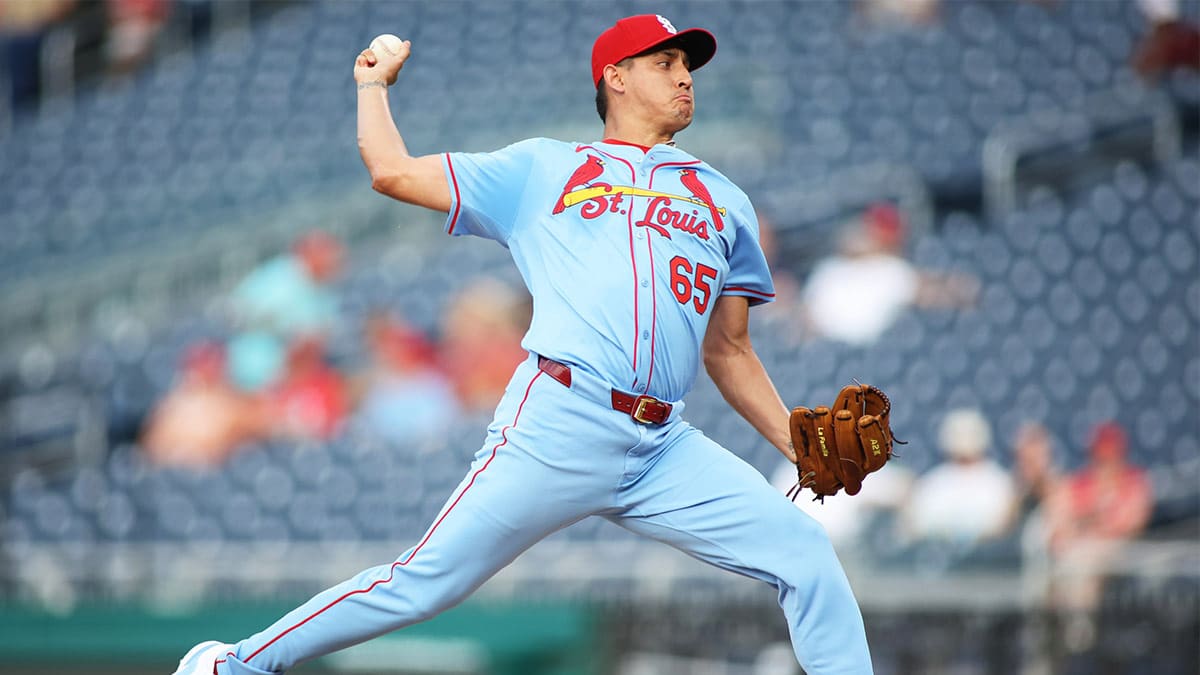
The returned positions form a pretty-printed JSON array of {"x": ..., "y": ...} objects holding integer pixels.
[{"x": 1089, "y": 306}]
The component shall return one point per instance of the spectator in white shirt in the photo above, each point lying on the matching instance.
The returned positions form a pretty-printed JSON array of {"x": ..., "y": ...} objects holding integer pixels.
[
  {"x": 968, "y": 498},
  {"x": 854, "y": 295}
]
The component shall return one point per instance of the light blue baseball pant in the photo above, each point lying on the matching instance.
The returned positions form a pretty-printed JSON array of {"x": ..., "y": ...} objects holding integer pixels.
[{"x": 554, "y": 455}]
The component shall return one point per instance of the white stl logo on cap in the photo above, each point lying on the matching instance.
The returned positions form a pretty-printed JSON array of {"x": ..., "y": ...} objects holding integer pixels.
[{"x": 666, "y": 24}]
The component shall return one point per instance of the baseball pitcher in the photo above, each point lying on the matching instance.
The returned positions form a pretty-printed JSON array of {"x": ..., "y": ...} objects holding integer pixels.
[{"x": 643, "y": 262}]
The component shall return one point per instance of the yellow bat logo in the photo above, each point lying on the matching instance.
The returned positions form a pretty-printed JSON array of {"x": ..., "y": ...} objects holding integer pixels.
[{"x": 582, "y": 195}]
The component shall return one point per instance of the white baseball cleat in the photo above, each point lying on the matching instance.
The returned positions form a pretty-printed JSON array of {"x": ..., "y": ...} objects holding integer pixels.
[{"x": 201, "y": 659}]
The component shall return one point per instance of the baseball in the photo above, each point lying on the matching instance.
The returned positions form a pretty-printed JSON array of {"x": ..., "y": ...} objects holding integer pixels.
[{"x": 386, "y": 44}]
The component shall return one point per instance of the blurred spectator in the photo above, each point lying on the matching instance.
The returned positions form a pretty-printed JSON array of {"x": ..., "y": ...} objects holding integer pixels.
[
  {"x": 23, "y": 27},
  {"x": 311, "y": 400},
  {"x": 481, "y": 341},
  {"x": 784, "y": 316},
  {"x": 285, "y": 298},
  {"x": 289, "y": 294},
  {"x": 1035, "y": 474},
  {"x": 256, "y": 359},
  {"x": 893, "y": 12},
  {"x": 1094, "y": 512},
  {"x": 787, "y": 286},
  {"x": 133, "y": 28},
  {"x": 1170, "y": 40},
  {"x": 968, "y": 498},
  {"x": 402, "y": 395},
  {"x": 849, "y": 521},
  {"x": 854, "y": 295},
  {"x": 203, "y": 418}
]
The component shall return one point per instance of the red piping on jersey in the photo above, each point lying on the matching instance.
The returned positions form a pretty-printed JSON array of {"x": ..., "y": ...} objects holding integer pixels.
[
  {"x": 653, "y": 308},
  {"x": 643, "y": 148},
  {"x": 654, "y": 291},
  {"x": 636, "y": 314},
  {"x": 611, "y": 156},
  {"x": 751, "y": 291},
  {"x": 632, "y": 257},
  {"x": 659, "y": 166},
  {"x": 457, "y": 202},
  {"x": 402, "y": 563}
]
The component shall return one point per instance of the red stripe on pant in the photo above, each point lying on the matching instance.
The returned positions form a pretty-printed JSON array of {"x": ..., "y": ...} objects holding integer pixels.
[{"x": 401, "y": 563}]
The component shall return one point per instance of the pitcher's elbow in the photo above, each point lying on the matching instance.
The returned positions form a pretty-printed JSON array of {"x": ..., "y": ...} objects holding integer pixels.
[
  {"x": 384, "y": 183},
  {"x": 713, "y": 360}
]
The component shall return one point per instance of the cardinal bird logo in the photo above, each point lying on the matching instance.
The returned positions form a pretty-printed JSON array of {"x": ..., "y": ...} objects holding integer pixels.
[
  {"x": 692, "y": 182},
  {"x": 587, "y": 172}
]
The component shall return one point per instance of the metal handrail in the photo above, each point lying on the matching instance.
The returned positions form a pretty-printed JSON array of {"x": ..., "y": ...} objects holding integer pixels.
[
  {"x": 59, "y": 309},
  {"x": 855, "y": 187},
  {"x": 1044, "y": 131}
]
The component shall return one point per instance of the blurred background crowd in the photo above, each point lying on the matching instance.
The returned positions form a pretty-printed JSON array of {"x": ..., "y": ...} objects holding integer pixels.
[{"x": 230, "y": 374}]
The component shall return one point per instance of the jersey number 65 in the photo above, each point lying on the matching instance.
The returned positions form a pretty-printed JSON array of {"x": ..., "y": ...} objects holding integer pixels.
[{"x": 697, "y": 290}]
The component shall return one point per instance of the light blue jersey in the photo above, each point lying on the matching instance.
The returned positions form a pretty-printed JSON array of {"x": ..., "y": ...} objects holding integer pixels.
[{"x": 623, "y": 251}]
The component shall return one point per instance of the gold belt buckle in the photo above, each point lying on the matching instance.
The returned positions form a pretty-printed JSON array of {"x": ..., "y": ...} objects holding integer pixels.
[{"x": 639, "y": 409}]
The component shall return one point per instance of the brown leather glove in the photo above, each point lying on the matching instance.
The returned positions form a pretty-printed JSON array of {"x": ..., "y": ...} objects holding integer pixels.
[{"x": 837, "y": 447}]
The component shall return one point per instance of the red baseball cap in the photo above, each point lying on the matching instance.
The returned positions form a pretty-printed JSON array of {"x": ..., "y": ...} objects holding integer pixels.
[
  {"x": 636, "y": 34},
  {"x": 1108, "y": 441}
]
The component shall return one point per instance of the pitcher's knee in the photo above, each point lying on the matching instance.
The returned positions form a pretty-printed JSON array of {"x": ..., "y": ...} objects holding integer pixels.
[
  {"x": 806, "y": 542},
  {"x": 408, "y": 594},
  {"x": 437, "y": 600},
  {"x": 417, "y": 598},
  {"x": 801, "y": 527}
]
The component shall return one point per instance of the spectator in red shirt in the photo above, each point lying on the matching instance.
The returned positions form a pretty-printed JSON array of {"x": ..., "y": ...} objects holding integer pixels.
[
  {"x": 133, "y": 29},
  {"x": 1093, "y": 513},
  {"x": 1171, "y": 40},
  {"x": 312, "y": 398}
]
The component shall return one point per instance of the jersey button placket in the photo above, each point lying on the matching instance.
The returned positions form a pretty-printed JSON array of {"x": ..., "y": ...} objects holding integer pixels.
[{"x": 645, "y": 307}]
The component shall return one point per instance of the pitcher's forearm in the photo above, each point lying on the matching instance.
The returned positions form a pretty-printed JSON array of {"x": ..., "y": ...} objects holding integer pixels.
[
  {"x": 379, "y": 141},
  {"x": 746, "y": 386},
  {"x": 394, "y": 172}
]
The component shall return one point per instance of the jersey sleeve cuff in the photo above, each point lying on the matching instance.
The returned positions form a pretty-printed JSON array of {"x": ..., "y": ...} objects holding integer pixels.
[
  {"x": 452, "y": 225},
  {"x": 755, "y": 296}
]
